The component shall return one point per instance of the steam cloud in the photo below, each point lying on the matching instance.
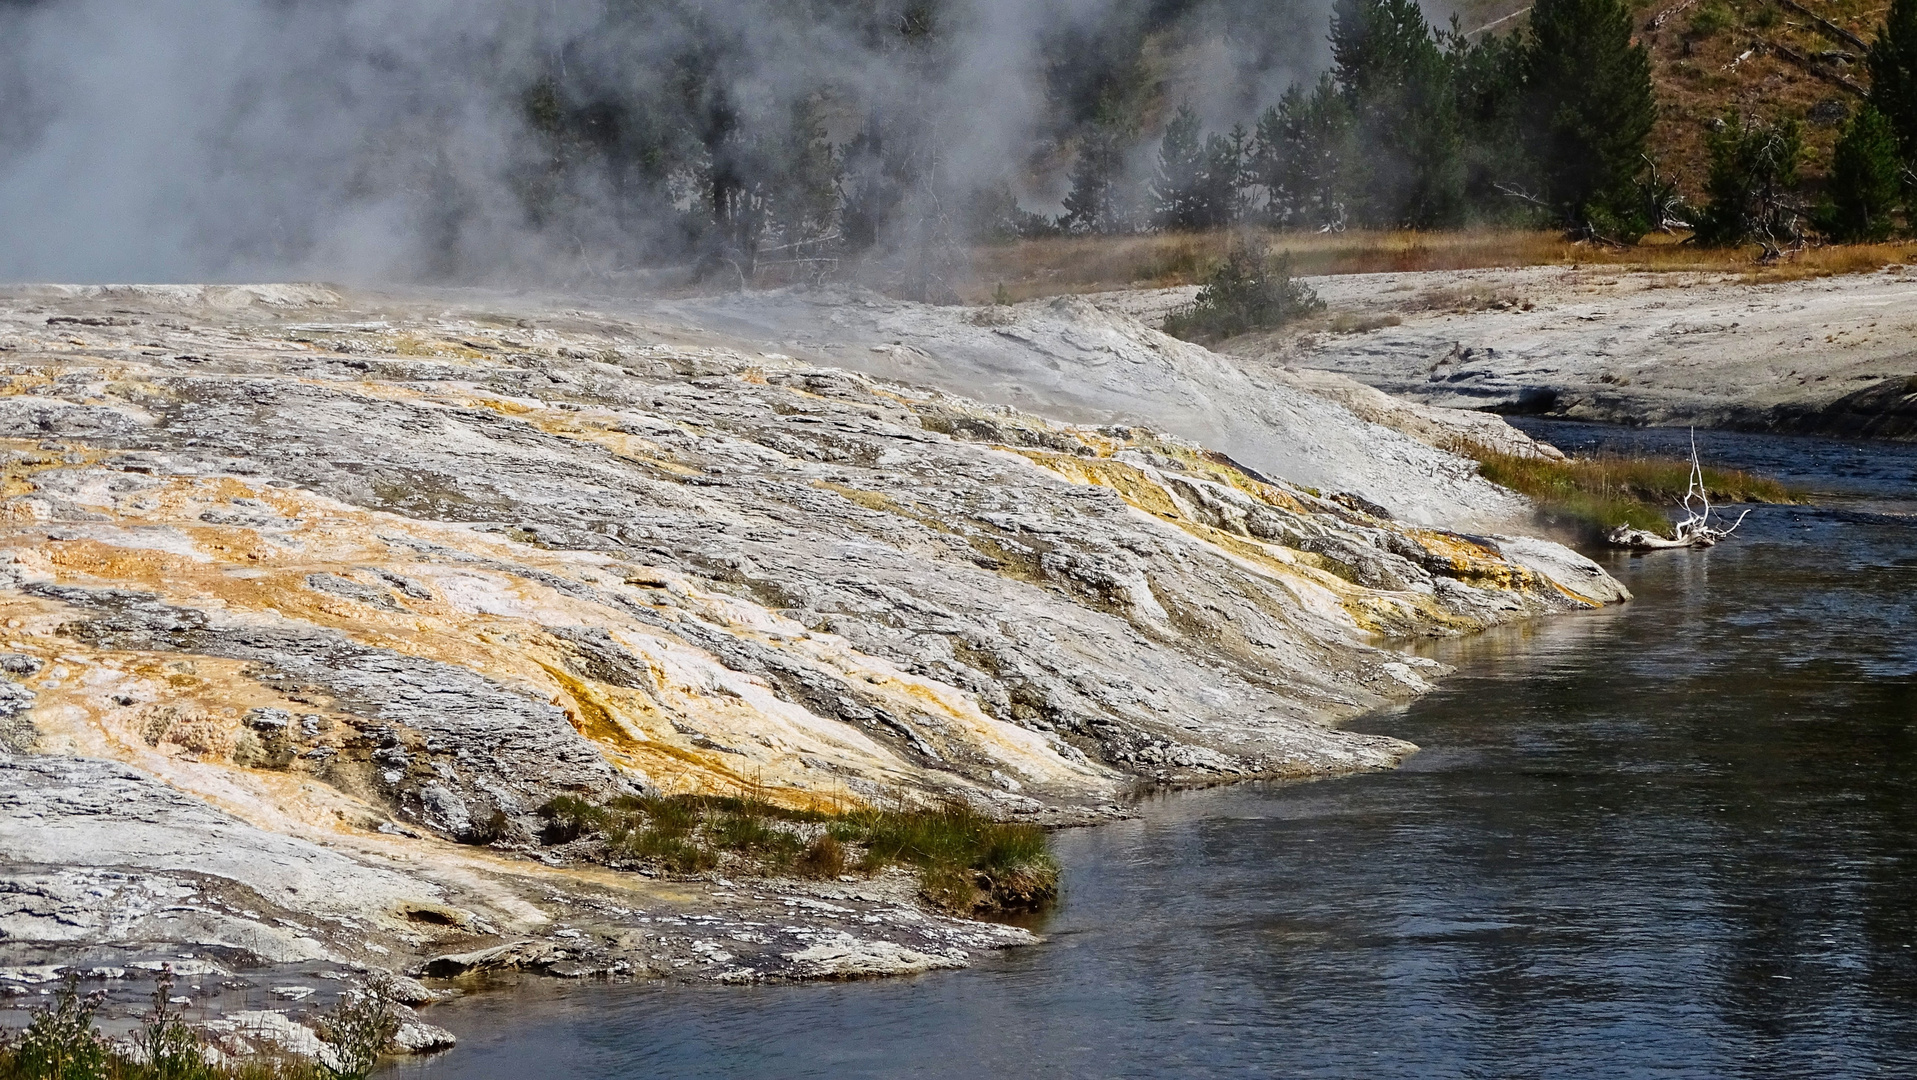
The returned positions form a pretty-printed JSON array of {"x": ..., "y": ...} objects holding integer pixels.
[{"x": 169, "y": 140}]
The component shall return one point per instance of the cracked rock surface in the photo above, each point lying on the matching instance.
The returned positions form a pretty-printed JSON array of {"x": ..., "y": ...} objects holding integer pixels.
[{"x": 311, "y": 599}]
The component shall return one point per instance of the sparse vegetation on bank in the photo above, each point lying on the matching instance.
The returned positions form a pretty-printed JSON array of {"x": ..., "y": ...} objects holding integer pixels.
[
  {"x": 62, "y": 1042},
  {"x": 967, "y": 863},
  {"x": 1612, "y": 490}
]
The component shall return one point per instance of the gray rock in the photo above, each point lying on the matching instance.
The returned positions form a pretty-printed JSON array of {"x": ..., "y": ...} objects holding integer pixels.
[{"x": 333, "y": 606}]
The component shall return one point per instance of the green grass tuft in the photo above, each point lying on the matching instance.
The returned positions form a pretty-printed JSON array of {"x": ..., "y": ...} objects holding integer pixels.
[
  {"x": 1611, "y": 489},
  {"x": 966, "y": 862}
]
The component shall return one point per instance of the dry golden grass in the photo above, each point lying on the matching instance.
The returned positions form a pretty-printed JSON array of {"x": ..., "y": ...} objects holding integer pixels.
[
  {"x": 1711, "y": 55},
  {"x": 1050, "y": 267}
]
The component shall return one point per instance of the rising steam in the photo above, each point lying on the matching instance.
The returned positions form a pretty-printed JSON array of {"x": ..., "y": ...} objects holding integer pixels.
[{"x": 389, "y": 139}]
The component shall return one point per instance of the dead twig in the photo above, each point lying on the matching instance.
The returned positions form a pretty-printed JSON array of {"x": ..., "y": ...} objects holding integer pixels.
[
  {"x": 1517, "y": 192},
  {"x": 1695, "y": 531}
]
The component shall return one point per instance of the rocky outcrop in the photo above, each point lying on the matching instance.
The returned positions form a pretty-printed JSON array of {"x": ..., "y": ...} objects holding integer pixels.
[
  {"x": 1446, "y": 429},
  {"x": 1886, "y": 409},
  {"x": 1830, "y": 355},
  {"x": 1086, "y": 359},
  {"x": 310, "y": 601}
]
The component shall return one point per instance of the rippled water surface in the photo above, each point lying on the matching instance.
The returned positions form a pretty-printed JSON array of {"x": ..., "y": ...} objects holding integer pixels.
[{"x": 1673, "y": 840}]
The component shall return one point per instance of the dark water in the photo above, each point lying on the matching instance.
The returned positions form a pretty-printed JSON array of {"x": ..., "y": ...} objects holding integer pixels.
[{"x": 1673, "y": 840}]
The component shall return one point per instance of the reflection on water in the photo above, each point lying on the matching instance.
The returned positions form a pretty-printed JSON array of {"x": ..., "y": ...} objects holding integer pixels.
[{"x": 1676, "y": 839}]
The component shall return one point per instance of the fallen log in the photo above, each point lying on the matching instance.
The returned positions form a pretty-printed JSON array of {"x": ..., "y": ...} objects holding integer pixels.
[
  {"x": 1695, "y": 531},
  {"x": 1829, "y": 29},
  {"x": 1657, "y": 21},
  {"x": 1815, "y": 68}
]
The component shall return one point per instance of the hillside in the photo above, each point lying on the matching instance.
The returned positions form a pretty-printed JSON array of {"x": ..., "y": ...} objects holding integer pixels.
[
  {"x": 1758, "y": 58},
  {"x": 1767, "y": 58}
]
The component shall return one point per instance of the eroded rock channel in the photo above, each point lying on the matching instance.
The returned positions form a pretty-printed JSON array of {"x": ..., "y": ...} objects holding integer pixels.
[{"x": 312, "y": 600}]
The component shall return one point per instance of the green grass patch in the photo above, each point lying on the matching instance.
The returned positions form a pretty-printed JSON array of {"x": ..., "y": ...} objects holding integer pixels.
[
  {"x": 966, "y": 862},
  {"x": 1609, "y": 490}
]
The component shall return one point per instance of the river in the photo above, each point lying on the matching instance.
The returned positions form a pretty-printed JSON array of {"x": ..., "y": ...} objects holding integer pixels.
[{"x": 1676, "y": 839}]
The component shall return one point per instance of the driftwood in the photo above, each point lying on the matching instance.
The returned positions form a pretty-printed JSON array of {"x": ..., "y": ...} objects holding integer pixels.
[
  {"x": 1816, "y": 68},
  {"x": 1657, "y": 21},
  {"x": 1695, "y": 531},
  {"x": 1830, "y": 29}
]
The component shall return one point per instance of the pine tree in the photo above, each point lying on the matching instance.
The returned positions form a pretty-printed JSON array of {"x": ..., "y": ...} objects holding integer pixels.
[
  {"x": 1304, "y": 156},
  {"x": 1177, "y": 201},
  {"x": 802, "y": 172},
  {"x": 1221, "y": 189},
  {"x": 1753, "y": 169},
  {"x": 878, "y": 171},
  {"x": 1250, "y": 291},
  {"x": 1488, "y": 85},
  {"x": 1097, "y": 202},
  {"x": 1865, "y": 177},
  {"x": 1589, "y": 110},
  {"x": 1397, "y": 83},
  {"x": 1893, "y": 74}
]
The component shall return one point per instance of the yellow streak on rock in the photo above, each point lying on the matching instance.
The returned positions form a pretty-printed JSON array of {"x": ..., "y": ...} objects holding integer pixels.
[
  {"x": 1372, "y": 610},
  {"x": 182, "y": 722},
  {"x": 156, "y": 542}
]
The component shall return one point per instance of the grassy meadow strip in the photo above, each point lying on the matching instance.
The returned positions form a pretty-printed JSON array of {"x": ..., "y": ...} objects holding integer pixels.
[{"x": 1025, "y": 269}]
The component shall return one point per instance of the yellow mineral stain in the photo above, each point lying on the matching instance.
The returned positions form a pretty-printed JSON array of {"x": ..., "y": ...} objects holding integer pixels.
[{"x": 1370, "y": 610}]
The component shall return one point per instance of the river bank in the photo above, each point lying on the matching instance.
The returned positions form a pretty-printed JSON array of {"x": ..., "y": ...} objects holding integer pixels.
[
  {"x": 1830, "y": 355},
  {"x": 1666, "y": 839},
  {"x": 313, "y": 599}
]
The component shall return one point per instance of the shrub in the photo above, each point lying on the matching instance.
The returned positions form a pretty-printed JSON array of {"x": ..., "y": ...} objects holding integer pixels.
[
  {"x": 359, "y": 1028},
  {"x": 1753, "y": 169},
  {"x": 172, "y": 1048},
  {"x": 569, "y": 817},
  {"x": 1249, "y": 291},
  {"x": 60, "y": 1042},
  {"x": 824, "y": 859},
  {"x": 1710, "y": 20}
]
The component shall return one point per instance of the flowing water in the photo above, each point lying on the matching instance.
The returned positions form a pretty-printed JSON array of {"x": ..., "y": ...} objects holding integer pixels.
[{"x": 1677, "y": 839}]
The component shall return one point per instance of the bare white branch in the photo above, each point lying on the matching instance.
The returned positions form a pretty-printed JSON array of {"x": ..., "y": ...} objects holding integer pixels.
[{"x": 1695, "y": 531}]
